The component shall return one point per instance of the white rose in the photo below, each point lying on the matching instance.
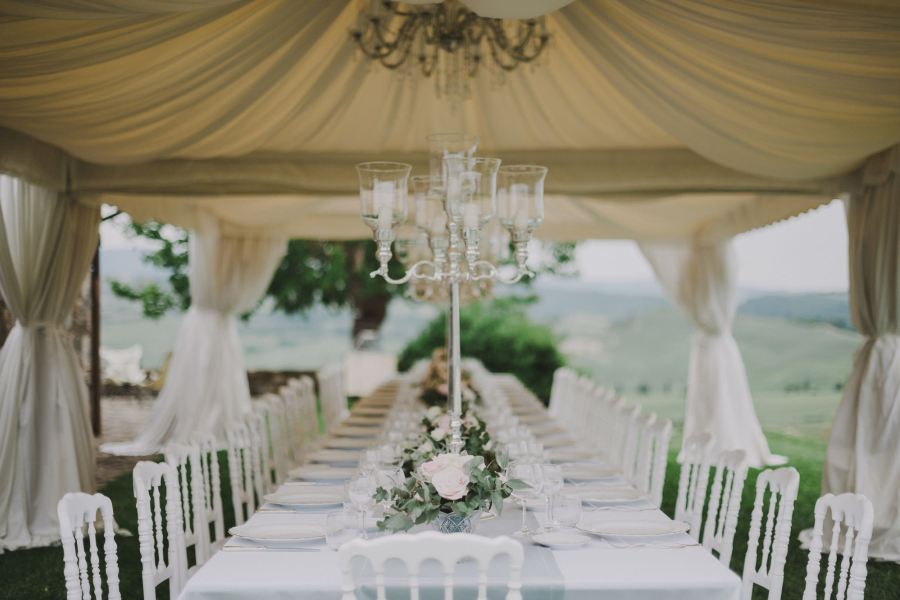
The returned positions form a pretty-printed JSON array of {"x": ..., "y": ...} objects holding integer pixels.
[
  {"x": 433, "y": 413},
  {"x": 439, "y": 433},
  {"x": 426, "y": 447},
  {"x": 450, "y": 482}
]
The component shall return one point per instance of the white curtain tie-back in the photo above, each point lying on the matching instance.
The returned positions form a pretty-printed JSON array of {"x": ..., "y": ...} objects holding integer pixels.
[
  {"x": 48, "y": 326},
  {"x": 212, "y": 311}
]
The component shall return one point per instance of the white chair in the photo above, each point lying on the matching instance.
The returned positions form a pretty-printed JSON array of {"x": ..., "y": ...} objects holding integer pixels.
[
  {"x": 851, "y": 515},
  {"x": 782, "y": 486},
  {"x": 156, "y": 531},
  {"x": 262, "y": 464},
  {"x": 331, "y": 393},
  {"x": 274, "y": 407},
  {"x": 207, "y": 449},
  {"x": 629, "y": 442},
  {"x": 447, "y": 550},
  {"x": 653, "y": 457},
  {"x": 75, "y": 510},
  {"x": 185, "y": 459},
  {"x": 241, "y": 470},
  {"x": 725, "y": 504},
  {"x": 693, "y": 481}
]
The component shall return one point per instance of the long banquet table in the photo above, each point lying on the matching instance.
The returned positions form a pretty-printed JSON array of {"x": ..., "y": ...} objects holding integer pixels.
[{"x": 601, "y": 569}]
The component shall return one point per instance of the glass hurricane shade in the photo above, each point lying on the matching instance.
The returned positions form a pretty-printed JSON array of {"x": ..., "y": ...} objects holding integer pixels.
[
  {"x": 520, "y": 197},
  {"x": 471, "y": 188},
  {"x": 443, "y": 145},
  {"x": 382, "y": 193}
]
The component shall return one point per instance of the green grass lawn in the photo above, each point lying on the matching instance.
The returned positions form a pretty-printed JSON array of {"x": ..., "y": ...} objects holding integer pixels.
[{"x": 37, "y": 574}]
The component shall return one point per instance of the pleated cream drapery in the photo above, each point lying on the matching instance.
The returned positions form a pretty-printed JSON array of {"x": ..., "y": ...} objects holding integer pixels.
[
  {"x": 46, "y": 447},
  {"x": 700, "y": 277},
  {"x": 206, "y": 386},
  {"x": 864, "y": 448}
]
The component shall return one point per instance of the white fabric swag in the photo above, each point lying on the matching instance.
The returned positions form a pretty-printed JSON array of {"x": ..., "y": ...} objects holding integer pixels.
[
  {"x": 864, "y": 449},
  {"x": 700, "y": 277},
  {"x": 46, "y": 448},
  {"x": 206, "y": 387}
]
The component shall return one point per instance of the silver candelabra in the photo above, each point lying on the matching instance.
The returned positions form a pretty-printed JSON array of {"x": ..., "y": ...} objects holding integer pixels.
[{"x": 453, "y": 206}]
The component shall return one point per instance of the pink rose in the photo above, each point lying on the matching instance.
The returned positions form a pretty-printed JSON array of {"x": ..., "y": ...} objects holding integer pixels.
[{"x": 450, "y": 482}]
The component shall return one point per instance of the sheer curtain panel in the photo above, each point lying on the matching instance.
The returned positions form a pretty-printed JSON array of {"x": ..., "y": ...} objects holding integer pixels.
[
  {"x": 864, "y": 449},
  {"x": 700, "y": 277},
  {"x": 206, "y": 385},
  {"x": 47, "y": 242}
]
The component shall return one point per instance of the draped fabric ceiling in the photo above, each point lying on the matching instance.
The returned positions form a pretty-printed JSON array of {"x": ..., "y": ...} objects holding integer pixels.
[{"x": 658, "y": 119}]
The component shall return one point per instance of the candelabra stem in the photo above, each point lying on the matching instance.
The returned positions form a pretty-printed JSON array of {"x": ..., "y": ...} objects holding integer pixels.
[{"x": 456, "y": 443}]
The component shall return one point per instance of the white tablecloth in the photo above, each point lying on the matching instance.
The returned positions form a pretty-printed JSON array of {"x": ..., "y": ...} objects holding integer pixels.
[{"x": 690, "y": 573}]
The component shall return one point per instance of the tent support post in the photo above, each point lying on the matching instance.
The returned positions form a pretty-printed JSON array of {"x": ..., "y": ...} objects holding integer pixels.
[{"x": 95, "y": 343}]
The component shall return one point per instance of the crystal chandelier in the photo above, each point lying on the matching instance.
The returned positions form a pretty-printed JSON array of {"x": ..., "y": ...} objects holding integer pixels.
[{"x": 447, "y": 41}]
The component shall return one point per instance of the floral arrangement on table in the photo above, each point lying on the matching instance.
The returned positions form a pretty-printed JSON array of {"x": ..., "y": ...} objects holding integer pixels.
[
  {"x": 451, "y": 489},
  {"x": 435, "y": 387}
]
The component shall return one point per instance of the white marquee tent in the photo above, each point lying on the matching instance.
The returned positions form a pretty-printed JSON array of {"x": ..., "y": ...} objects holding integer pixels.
[{"x": 676, "y": 123}]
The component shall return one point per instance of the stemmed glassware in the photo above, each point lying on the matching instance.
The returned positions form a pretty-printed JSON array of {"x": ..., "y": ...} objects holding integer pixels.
[
  {"x": 361, "y": 493},
  {"x": 529, "y": 474}
]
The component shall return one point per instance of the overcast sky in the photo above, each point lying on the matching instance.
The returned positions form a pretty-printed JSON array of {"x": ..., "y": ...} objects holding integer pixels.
[{"x": 803, "y": 254}]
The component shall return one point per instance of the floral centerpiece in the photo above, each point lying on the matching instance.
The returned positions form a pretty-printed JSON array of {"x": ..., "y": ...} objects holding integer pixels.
[
  {"x": 435, "y": 387},
  {"x": 450, "y": 489}
]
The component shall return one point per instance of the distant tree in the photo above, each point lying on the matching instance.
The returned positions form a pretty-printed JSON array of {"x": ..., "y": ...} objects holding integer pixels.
[{"x": 335, "y": 274}]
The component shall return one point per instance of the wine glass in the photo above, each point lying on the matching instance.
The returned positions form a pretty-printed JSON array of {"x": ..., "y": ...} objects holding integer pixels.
[
  {"x": 530, "y": 475},
  {"x": 551, "y": 483},
  {"x": 361, "y": 492}
]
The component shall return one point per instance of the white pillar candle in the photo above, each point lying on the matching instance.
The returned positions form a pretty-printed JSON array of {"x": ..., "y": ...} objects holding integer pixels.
[
  {"x": 519, "y": 205},
  {"x": 384, "y": 200}
]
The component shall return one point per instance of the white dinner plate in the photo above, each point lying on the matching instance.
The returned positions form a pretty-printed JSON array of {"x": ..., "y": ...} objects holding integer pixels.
[
  {"x": 561, "y": 441},
  {"x": 561, "y": 540},
  {"x": 354, "y": 431},
  {"x": 279, "y": 536},
  {"x": 369, "y": 411},
  {"x": 336, "y": 457},
  {"x": 633, "y": 528},
  {"x": 587, "y": 472},
  {"x": 313, "y": 497},
  {"x": 610, "y": 494},
  {"x": 347, "y": 443},
  {"x": 565, "y": 455},
  {"x": 361, "y": 421},
  {"x": 322, "y": 473}
]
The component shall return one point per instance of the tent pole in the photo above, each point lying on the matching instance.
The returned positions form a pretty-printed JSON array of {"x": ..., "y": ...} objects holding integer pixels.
[{"x": 95, "y": 343}]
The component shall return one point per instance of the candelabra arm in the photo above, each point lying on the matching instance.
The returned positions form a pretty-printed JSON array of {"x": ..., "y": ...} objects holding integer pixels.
[{"x": 413, "y": 273}]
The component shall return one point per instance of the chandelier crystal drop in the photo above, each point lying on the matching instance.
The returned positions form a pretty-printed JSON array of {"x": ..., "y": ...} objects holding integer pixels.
[{"x": 446, "y": 41}]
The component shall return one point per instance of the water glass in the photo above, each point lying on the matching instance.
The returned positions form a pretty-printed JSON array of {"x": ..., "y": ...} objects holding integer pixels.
[
  {"x": 567, "y": 509},
  {"x": 551, "y": 483},
  {"x": 340, "y": 527}
]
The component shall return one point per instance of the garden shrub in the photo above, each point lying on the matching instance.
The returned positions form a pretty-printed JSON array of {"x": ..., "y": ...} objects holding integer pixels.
[{"x": 500, "y": 335}]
